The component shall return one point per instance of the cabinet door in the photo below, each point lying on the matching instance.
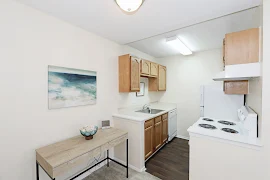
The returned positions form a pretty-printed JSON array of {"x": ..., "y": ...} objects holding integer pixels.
[
  {"x": 242, "y": 47},
  {"x": 162, "y": 78},
  {"x": 152, "y": 84},
  {"x": 135, "y": 74},
  {"x": 154, "y": 69},
  {"x": 158, "y": 134},
  {"x": 164, "y": 130},
  {"x": 148, "y": 139},
  {"x": 145, "y": 67},
  {"x": 236, "y": 87}
]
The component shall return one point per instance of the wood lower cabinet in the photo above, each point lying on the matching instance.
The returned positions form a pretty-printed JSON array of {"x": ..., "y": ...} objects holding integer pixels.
[
  {"x": 164, "y": 128},
  {"x": 129, "y": 73},
  {"x": 155, "y": 134},
  {"x": 158, "y": 132},
  {"x": 149, "y": 138}
]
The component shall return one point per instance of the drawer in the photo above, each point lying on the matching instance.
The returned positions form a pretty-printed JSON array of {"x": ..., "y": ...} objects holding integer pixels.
[
  {"x": 148, "y": 123},
  {"x": 82, "y": 160},
  {"x": 118, "y": 141},
  {"x": 157, "y": 119},
  {"x": 165, "y": 116}
]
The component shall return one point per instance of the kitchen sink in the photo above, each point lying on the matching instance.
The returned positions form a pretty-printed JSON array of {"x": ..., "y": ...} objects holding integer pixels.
[{"x": 150, "y": 111}]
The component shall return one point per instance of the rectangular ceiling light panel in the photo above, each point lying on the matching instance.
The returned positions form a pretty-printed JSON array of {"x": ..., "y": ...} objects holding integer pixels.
[{"x": 176, "y": 44}]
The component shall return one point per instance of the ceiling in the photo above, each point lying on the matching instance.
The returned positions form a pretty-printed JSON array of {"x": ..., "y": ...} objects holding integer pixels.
[
  {"x": 203, "y": 36},
  {"x": 103, "y": 17}
]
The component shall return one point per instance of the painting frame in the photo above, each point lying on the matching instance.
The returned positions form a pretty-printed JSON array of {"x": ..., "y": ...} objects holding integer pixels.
[
  {"x": 70, "y": 87},
  {"x": 142, "y": 90}
]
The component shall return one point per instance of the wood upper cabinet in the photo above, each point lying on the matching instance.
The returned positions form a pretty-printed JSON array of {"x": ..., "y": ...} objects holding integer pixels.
[
  {"x": 149, "y": 69},
  {"x": 152, "y": 84},
  {"x": 149, "y": 138},
  {"x": 159, "y": 83},
  {"x": 154, "y": 69},
  {"x": 145, "y": 67},
  {"x": 129, "y": 73},
  {"x": 135, "y": 74},
  {"x": 223, "y": 54},
  {"x": 238, "y": 49},
  {"x": 236, "y": 87},
  {"x": 162, "y": 78},
  {"x": 242, "y": 47},
  {"x": 158, "y": 132}
]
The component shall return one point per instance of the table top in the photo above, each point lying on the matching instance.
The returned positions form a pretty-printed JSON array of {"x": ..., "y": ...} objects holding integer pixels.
[{"x": 69, "y": 149}]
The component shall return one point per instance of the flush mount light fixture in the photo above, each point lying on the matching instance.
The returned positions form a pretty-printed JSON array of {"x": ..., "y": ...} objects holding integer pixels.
[
  {"x": 176, "y": 44},
  {"x": 129, "y": 5}
]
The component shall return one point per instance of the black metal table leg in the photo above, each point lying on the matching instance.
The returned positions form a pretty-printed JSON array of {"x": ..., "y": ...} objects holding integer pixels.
[
  {"x": 37, "y": 171},
  {"x": 108, "y": 158},
  {"x": 127, "y": 157}
]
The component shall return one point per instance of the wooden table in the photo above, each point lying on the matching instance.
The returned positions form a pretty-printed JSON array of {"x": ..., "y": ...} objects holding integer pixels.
[{"x": 60, "y": 157}]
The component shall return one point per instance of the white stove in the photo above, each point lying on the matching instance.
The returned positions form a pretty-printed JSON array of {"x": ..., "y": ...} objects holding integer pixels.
[{"x": 242, "y": 130}]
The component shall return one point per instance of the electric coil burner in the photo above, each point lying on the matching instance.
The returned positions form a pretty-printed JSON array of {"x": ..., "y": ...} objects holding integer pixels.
[
  {"x": 207, "y": 126},
  {"x": 207, "y": 119},
  {"x": 228, "y": 130},
  {"x": 227, "y": 123}
]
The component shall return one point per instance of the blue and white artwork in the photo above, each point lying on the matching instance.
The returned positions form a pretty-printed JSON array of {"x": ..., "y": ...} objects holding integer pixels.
[{"x": 71, "y": 87}]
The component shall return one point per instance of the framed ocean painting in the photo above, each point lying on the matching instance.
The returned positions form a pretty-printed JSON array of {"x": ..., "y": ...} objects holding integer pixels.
[{"x": 71, "y": 87}]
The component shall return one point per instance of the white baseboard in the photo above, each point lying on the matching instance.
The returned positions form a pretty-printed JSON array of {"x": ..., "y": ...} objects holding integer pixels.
[
  {"x": 131, "y": 166},
  {"x": 182, "y": 137}
]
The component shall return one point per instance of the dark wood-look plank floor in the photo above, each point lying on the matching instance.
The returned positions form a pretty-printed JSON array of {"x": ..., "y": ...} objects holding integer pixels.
[{"x": 171, "y": 162}]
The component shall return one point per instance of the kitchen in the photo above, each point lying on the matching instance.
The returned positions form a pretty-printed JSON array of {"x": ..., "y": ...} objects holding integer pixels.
[
  {"x": 177, "y": 91},
  {"x": 225, "y": 93}
]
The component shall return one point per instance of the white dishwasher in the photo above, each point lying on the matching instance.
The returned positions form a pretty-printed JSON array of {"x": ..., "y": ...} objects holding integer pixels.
[{"x": 172, "y": 120}]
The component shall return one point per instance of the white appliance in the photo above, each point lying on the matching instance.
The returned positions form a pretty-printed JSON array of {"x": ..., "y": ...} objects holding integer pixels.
[
  {"x": 244, "y": 129},
  {"x": 249, "y": 120},
  {"x": 172, "y": 121},
  {"x": 216, "y": 104}
]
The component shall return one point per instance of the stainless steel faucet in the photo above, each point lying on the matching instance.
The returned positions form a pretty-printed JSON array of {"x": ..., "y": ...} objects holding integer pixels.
[{"x": 146, "y": 106}]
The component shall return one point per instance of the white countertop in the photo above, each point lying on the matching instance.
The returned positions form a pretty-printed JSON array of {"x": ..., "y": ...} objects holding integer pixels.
[
  {"x": 130, "y": 114},
  {"x": 241, "y": 137}
]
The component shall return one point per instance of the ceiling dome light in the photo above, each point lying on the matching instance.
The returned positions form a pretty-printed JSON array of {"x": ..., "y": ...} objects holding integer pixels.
[{"x": 129, "y": 5}]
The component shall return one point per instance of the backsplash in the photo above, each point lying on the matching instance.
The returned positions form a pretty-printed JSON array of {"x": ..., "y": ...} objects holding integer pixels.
[{"x": 130, "y": 99}]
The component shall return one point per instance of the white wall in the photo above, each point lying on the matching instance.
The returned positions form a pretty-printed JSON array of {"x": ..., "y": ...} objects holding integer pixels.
[
  {"x": 185, "y": 75},
  {"x": 254, "y": 98},
  {"x": 265, "y": 163},
  {"x": 30, "y": 41}
]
